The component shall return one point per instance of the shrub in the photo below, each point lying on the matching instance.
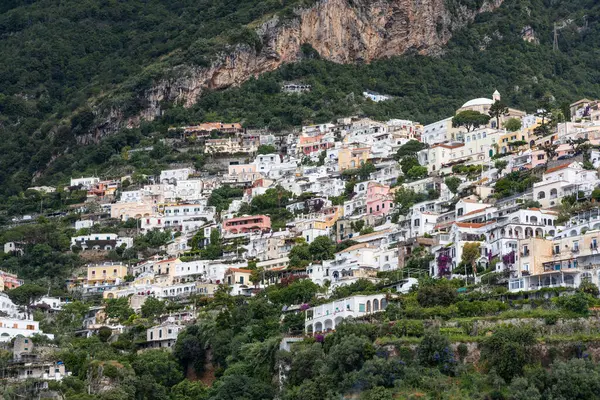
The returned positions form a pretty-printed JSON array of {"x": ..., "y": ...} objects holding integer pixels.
[
  {"x": 435, "y": 351},
  {"x": 462, "y": 350},
  {"x": 508, "y": 350}
]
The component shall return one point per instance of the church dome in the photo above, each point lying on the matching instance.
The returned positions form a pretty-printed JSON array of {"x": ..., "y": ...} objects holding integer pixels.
[{"x": 482, "y": 101}]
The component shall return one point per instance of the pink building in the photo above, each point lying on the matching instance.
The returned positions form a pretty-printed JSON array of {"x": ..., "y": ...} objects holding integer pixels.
[
  {"x": 250, "y": 223},
  {"x": 379, "y": 200}
]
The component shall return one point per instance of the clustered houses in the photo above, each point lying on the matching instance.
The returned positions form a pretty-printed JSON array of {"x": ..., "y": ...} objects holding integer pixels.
[{"x": 347, "y": 184}]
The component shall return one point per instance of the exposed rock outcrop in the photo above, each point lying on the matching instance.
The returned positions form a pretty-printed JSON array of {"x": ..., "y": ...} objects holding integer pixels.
[{"x": 342, "y": 31}]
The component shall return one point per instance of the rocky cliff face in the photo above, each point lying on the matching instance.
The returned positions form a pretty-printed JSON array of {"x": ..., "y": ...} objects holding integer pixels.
[{"x": 342, "y": 31}]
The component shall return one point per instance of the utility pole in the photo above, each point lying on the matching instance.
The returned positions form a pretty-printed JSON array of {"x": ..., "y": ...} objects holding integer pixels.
[{"x": 555, "y": 46}]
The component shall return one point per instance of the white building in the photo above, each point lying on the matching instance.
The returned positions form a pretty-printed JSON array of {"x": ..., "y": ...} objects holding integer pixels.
[
  {"x": 11, "y": 327},
  {"x": 326, "y": 317},
  {"x": 174, "y": 175},
  {"x": 84, "y": 223},
  {"x": 86, "y": 183},
  {"x": 376, "y": 97},
  {"x": 101, "y": 241},
  {"x": 438, "y": 132},
  {"x": 564, "y": 180},
  {"x": 163, "y": 336}
]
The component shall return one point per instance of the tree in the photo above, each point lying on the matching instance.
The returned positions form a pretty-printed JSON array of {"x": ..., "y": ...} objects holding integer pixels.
[
  {"x": 500, "y": 165},
  {"x": 409, "y": 149},
  {"x": 300, "y": 255},
  {"x": 471, "y": 252},
  {"x": 497, "y": 110},
  {"x": 416, "y": 172},
  {"x": 322, "y": 248},
  {"x": 104, "y": 333},
  {"x": 242, "y": 387},
  {"x": 27, "y": 294},
  {"x": 470, "y": 119},
  {"x": 578, "y": 303},
  {"x": 545, "y": 113},
  {"x": 152, "y": 307},
  {"x": 366, "y": 170},
  {"x": 508, "y": 350},
  {"x": 160, "y": 366},
  {"x": 118, "y": 308},
  {"x": 435, "y": 351},
  {"x": 453, "y": 182},
  {"x": 266, "y": 149},
  {"x": 189, "y": 390},
  {"x": 407, "y": 163},
  {"x": 513, "y": 124},
  {"x": 433, "y": 293},
  {"x": 550, "y": 150},
  {"x": 348, "y": 354},
  {"x": 580, "y": 145}
]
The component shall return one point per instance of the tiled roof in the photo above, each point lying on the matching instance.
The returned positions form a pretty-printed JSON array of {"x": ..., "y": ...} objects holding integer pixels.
[
  {"x": 355, "y": 247},
  {"x": 558, "y": 168}
]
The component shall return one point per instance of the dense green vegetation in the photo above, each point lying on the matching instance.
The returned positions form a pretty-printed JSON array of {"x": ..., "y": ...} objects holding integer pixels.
[{"x": 49, "y": 73}]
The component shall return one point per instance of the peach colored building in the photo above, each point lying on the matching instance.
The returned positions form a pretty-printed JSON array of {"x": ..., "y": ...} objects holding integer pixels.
[
  {"x": 311, "y": 144},
  {"x": 249, "y": 223},
  {"x": 125, "y": 211},
  {"x": 352, "y": 157}
]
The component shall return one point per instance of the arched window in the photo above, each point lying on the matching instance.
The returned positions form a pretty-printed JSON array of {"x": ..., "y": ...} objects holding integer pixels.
[
  {"x": 368, "y": 306},
  {"x": 541, "y": 195}
]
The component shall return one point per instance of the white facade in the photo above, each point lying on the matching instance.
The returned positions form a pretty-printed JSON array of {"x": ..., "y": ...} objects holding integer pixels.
[
  {"x": 174, "y": 175},
  {"x": 163, "y": 336},
  {"x": 326, "y": 317},
  {"x": 86, "y": 183},
  {"x": 85, "y": 223},
  {"x": 10, "y": 328}
]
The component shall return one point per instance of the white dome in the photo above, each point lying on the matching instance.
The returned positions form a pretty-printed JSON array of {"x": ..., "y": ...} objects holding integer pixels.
[{"x": 482, "y": 101}]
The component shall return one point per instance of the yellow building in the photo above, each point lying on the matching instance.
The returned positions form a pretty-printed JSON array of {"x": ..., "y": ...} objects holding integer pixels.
[
  {"x": 239, "y": 276},
  {"x": 105, "y": 273},
  {"x": 352, "y": 157},
  {"x": 505, "y": 140}
]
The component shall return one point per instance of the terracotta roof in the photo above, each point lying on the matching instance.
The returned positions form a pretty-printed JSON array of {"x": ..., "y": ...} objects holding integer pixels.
[
  {"x": 245, "y": 271},
  {"x": 373, "y": 233},
  {"x": 448, "y": 146},
  {"x": 355, "y": 247},
  {"x": 554, "y": 169},
  {"x": 476, "y": 211},
  {"x": 471, "y": 224},
  {"x": 169, "y": 260}
]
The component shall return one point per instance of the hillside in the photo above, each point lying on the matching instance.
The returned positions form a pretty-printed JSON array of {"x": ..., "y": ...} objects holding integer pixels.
[{"x": 75, "y": 72}]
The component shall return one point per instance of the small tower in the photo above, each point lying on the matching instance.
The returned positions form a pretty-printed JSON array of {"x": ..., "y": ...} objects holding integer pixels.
[{"x": 496, "y": 96}]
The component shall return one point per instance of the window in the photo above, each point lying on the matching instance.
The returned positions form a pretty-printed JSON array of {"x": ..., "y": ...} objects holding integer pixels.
[
  {"x": 160, "y": 333},
  {"x": 556, "y": 249},
  {"x": 594, "y": 244},
  {"x": 576, "y": 246},
  {"x": 417, "y": 222},
  {"x": 151, "y": 335},
  {"x": 361, "y": 307},
  {"x": 242, "y": 280}
]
